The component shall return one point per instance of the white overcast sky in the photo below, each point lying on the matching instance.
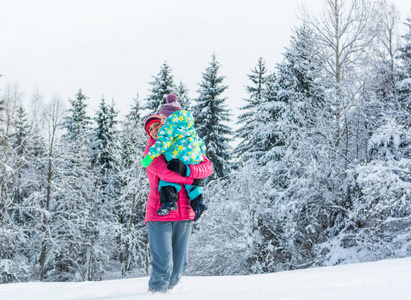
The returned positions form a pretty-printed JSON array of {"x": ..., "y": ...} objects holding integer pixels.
[{"x": 113, "y": 48}]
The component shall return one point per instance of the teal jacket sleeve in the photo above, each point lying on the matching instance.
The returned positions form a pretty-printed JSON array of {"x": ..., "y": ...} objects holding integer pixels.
[
  {"x": 202, "y": 146},
  {"x": 164, "y": 141}
]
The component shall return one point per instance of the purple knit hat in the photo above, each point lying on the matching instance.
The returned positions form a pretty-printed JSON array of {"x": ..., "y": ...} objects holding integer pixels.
[{"x": 171, "y": 106}]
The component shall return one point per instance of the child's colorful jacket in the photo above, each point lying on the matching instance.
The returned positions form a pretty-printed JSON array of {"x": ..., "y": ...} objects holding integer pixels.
[{"x": 178, "y": 139}]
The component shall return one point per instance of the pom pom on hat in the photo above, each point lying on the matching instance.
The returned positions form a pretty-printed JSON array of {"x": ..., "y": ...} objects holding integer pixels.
[
  {"x": 171, "y": 106},
  {"x": 171, "y": 98},
  {"x": 150, "y": 120}
]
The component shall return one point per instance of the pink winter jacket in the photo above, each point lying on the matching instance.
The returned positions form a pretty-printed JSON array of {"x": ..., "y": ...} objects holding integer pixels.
[{"x": 158, "y": 170}]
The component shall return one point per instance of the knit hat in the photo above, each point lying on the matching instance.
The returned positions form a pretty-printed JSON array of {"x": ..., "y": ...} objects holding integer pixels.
[
  {"x": 171, "y": 106},
  {"x": 150, "y": 120}
]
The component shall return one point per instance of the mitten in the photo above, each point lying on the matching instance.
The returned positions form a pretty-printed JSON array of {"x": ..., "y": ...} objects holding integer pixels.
[
  {"x": 197, "y": 181},
  {"x": 177, "y": 166},
  {"x": 146, "y": 161}
]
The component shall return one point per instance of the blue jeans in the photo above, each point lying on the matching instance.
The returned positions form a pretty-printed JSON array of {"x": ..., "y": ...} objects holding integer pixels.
[{"x": 169, "y": 248}]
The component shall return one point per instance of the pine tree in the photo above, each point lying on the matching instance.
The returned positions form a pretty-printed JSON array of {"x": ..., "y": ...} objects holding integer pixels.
[
  {"x": 182, "y": 96},
  {"x": 267, "y": 132},
  {"x": 383, "y": 56},
  {"x": 134, "y": 138},
  {"x": 132, "y": 240},
  {"x": 1, "y": 113},
  {"x": 14, "y": 264},
  {"x": 248, "y": 118},
  {"x": 379, "y": 223},
  {"x": 107, "y": 163},
  {"x": 104, "y": 145},
  {"x": 323, "y": 129},
  {"x": 210, "y": 111},
  {"x": 1, "y": 118},
  {"x": 403, "y": 88},
  {"x": 47, "y": 236},
  {"x": 21, "y": 144},
  {"x": 288, "y": 116},
  {"x": 134, "y": 115},
  {"x": 77, "y": 205},
  {"x": 238, "y": 194},
  {"x": 405, "y": 51},
  {"x": 289, "y": 99},
  {"x": 77, "y": 122},
  {"x": 379, "y": 217},
  {"x": 163, "y": 85},
  {"x": 22, "y": 129}
]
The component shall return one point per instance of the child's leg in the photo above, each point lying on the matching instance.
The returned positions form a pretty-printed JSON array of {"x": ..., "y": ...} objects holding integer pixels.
[
  {"x": 195, "y": 193},
  {"x": 168, "y": 191},
  {"x": 168, "y": 197}
]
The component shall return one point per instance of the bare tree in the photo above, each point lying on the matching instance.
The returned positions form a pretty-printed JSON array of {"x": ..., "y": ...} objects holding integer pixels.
[
  {"x": 385, "y": 50},
  {"x": 11, "y": 100},
  {"x": 343, "y": 32},
  {"x": 54, "y": 119}
]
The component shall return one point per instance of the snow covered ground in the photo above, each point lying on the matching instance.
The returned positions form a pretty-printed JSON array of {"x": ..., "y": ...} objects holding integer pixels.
[{"x": 388, "y": 279}]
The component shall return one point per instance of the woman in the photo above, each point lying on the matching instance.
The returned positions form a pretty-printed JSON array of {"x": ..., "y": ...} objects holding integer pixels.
[{"x": 168, "y": 235}]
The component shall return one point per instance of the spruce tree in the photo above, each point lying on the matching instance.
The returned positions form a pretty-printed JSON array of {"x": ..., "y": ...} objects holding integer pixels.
[
  {"x": 289, "y": 98},
  {"x": 300, "y": 79},
  {"x": 134, "y": 138},
  {"x": 23, "y": 149},
  {"x": 77, "y": 122},
  {"x": 248, "y": 118},
  {"x": 182, "y": 95},
  {"x": 266, "y": 131},
  {"x": 405, "y": 51},
  {"x": 22, "y": 128},
  {"x": 381, "y": 203},
  {"x": 210, "y": 112},
  {"x": 13, "y": 265},
  {"x": 105, "y": 146},
  {"x": 134, "y": 115},
  {"x": 1, "y": 117},
  {"x": 48, "y": 192},
  {"x": 382, "y": 58},
  {"x": 106, "y": 163},
  {"x": 403, "y": 88},
  {"x": 285, "y": 134},
  {"x": 132, "y": 240},
  {"x": 77, "y": 203},
  {"x": 163, "y": 85}
]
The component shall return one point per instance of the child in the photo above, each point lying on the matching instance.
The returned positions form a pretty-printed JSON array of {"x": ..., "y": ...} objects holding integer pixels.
[{"x": 177, "y": 139}]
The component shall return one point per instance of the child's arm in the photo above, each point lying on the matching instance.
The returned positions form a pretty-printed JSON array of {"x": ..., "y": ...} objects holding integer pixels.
[
  {"x": 164, "y": 141},
  {"x": 159, "y": 168},
  {"x": 202, "y": 146}
]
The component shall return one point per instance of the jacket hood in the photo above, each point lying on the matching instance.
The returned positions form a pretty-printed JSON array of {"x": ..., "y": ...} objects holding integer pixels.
[{"x": 181, "y": 119}]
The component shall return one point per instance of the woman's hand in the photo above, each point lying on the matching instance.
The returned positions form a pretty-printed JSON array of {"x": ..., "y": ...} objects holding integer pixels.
[{"x": 177, "y": 166}]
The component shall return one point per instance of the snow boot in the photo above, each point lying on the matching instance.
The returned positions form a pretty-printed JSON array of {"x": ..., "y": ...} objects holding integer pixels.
[
  {"x": 166, "y": 208},
  {"x": 199, "y": 211}
]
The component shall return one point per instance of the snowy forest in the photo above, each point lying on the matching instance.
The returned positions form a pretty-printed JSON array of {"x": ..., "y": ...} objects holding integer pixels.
[{"x": 321, "y": 173}]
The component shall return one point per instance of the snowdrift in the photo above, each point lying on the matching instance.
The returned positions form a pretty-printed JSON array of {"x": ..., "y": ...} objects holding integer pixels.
[{"x": 388, "y": 279}]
